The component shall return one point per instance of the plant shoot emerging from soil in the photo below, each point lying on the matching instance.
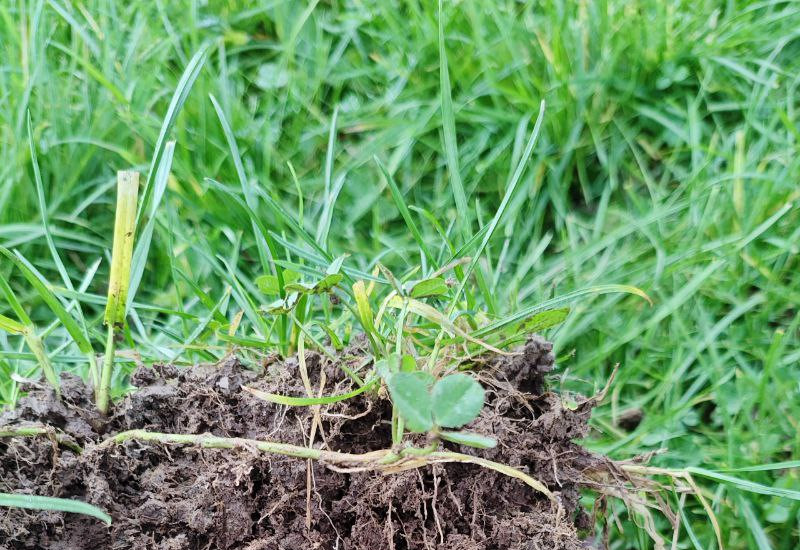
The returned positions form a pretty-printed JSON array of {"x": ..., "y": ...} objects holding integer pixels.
[{"x": 121, "y": 257}]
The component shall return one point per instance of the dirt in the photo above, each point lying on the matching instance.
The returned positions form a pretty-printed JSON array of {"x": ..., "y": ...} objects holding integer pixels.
[{"x": 175, "y": 497}]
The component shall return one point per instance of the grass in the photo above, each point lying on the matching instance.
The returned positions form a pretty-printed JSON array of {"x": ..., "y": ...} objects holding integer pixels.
[{"x": 666, "y": 160}]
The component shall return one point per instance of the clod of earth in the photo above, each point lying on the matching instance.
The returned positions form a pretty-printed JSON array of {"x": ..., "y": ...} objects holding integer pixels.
[{"x": 169, "y": 496}]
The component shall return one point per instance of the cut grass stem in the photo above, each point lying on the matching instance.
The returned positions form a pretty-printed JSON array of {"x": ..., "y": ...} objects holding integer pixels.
[
  {"x": 121, "y": 256},
  {"x": 103, "y": 389}
]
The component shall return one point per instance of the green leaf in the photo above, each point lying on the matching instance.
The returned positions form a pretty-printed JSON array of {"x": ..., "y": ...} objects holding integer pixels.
[
  {"x": 396, "y": 285},
  {"x": 545, "y": 319},
  {"x": 268, "y": 284},
  {"x": 37, "y": 178},
  {"x": 13, "y": 301},
  {"x": 301, "y": 287},
  {"x": 449, "y": 134},
  {"x": 400, "y": 202},
  {"x": 282, "y": 306},
  {"x": 27, "y": 330},
  {"x": 49, "y": 503},
  {"x": 457, "y": 400},
  {"x": 470, "y": 439},
  {"x": 435, "y": 316},
  {"x": 745, "y": 485},
  {"x": 336, "y": 265},
  {"x": 330, "y": 194},
  {"x": 509, "y": 193},
  {"x": 336, "y": 342},
  {"x": 266, "y": 251},
  {"x": 410, "y": 393},
  {"x": 308, "y": 401},
  {"x": 365, "y": 315},
  {"x": 190, "y": 74},
  {"x": 362, "y": 304},
  {"x": 429, "y": 287},
  {"x": 408, "y": 364},
  {"x": 323, "y": 285},
  {"x": 142, "y": 246},
  {"x": 12, "y": 326},
  {"x": 766, "y": 467},
  {"x": 556, "y": 302}
]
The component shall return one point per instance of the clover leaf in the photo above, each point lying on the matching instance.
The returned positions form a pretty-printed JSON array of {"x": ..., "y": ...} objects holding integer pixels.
[
  {"x": 411, "y": 395},
  {"x": 457, "y": 400}
]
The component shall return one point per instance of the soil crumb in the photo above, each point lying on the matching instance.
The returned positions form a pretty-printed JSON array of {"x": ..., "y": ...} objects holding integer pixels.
[{"x": 172, "y": 497}]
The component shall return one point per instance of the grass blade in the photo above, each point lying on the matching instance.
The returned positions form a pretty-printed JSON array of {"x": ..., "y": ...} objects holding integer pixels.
[
  {"x": 182, "y": 90},
  {"x": 449, "y": 133},
  {"x": 308, "y": 401},
  {"x": 25, "y": 328},
  {"x": 324, "y": 227},
  {"x": 329, "y": 153},
  {"x": 46, "y": 294},
  {"x": 34, "y": 502},
  {"x": 498, "y": 216},
  {"x": 400, "y": 202},
  {"x": 37, "y": 178},
  {"x": 766, "y": 467},
  {"x": 556, "y": 302},
  {"x": 10, "y": 325},
  {"x": 139, "y": 259},
  {"x": 12, "y": 300},
  {"x": 266, "y": 250},
  {"x": 435, "y": 316},
  {"x": 745, "y": 485}
]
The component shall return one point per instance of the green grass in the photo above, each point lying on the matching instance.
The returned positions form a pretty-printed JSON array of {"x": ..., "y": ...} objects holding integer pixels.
[{"x": 667, "y": 160}]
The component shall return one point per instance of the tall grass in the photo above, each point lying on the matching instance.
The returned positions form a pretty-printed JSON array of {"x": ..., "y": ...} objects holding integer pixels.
[{"x": 667, "y": 160}]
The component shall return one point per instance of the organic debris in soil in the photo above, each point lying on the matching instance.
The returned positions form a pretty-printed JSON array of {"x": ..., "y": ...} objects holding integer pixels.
[{"x": 170, "y": 497}]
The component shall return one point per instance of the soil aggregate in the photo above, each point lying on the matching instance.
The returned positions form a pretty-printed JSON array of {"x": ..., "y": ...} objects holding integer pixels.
[{"x": 182, "y": 497}]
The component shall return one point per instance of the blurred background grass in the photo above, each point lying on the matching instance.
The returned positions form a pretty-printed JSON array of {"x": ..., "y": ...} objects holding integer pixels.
[{"x": 668, "y": 160}]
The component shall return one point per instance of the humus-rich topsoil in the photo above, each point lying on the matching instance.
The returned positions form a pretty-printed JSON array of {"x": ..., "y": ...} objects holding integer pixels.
[{"x": 178, "y": 496}]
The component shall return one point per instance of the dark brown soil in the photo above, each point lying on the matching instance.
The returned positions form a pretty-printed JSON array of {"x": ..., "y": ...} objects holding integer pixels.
[{"x": 175, "y": 497}]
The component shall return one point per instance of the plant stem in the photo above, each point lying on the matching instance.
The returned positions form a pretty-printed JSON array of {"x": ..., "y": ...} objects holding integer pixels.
[
  {"x": 37, "y": 348},
  {"x": 214, "y": 442},
  {"x": 94, "y": 371},
  {"x": 105, "y": 374},
  {"x": 33, "y": 431},
  {"x": 384, "y": 460},
  {"x": 120, "y": 276}
]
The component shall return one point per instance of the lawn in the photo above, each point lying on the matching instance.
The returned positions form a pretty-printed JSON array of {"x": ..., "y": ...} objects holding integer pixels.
[{"x": 666, "y": 159}]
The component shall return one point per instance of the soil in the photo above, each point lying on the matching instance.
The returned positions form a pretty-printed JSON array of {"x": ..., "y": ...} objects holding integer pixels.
[{"x": 175, "y": 497}]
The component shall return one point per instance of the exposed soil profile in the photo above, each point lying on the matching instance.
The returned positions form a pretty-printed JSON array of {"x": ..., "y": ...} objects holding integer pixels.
[{"x": 176, "y": 497}]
